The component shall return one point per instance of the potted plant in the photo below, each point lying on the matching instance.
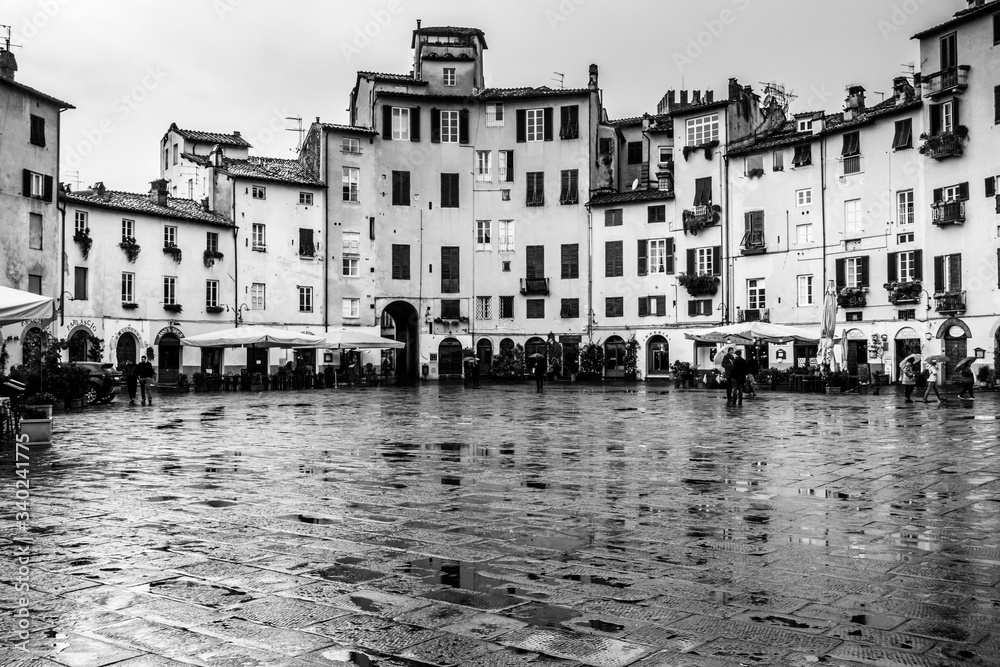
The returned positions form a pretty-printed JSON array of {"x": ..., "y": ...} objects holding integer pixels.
[
  {"x": 683, "y": 375},
  {"x": 852, "y": 297},
  {"x": 592, "y": 361},
  {"x": 183, "y": 384},
  {"x": 172, "y": 250},
  {"x": 82, "y": 239},
  {"x": 172, "y": 307},
  {"x": 41, "y": 402},
  {"x": 631, "y": 359},
  {"x": 984, "y": 375},
  {"x": 755, "y": 173},
  {"x": 210, "y": 256},
  {"x": 131, "y": 248},
  {"x": 36, "y": 423},
  {"x": 699, "y": 284},
  {"x": 904, "y": 292}
]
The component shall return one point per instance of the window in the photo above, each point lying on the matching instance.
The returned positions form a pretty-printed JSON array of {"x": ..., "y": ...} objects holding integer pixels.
[
  {"x": 350, "y": 309},
  {"x": 494, "y": 114},
  {"x": 613, "y": 217},
  {"x": 351, "y": 253},
  {"x": 852, "y": 217},
  {"x": 37, "y": 130},
  {"x": 257, "y": 300},
  {"x": 652, "y": 306},
  {"x": 400, "y": 123},
  {"x": 660, "y": 254},
  {"x": 570, "y": 261},
  {"x": 505, "y": 266},
  {"x": 804, "y": 197},
  {"x": 803, "y": 234},
  {"x": 306, "y": 246},
  {"x": 449, "y": 190},
  {"x": 535, "y": 124},
  {"x": 665, "y": 155},
  {"x": 753, "y": 230},
  {"x": 259, "y": 239},
  {"x": 535, "y": 188},
  {"x": 656, "y": 213},
  {"x": 754, "y": 164},
  {"x": 903, "y": 137},
  {"x": 505, "y": 195},
  {"x": 613, "y": 259},
  {"x": 634, "y": 152},
  {"x": 755, "y": 294},
  {"x": 350, "y": 145},
  {"x": 699, "y": 307},
  {"x": 306, "y": 198},
  {"x": 258, "y": 192},
  {"x": 803, "y": 155},
  {"x": 484, "y": 165},
  {"x": 778, "y": 161},
  {"x": 702, "y": 130},
  {"x": 448, "y": 76},
  {"x": 37, "y": 185},
  {"x": 996, "y": 29},
  {"x": 535, "y": 309},
  {"x": 904, "y": 238},
  {"x": 349, "y": 179},
  {"x": 664, "y": 182},
  {"x": 400, "y": 188},
  {"x": 34, "y": 231},
  {"x": 34, "y": 283},
  {"x": 569, "y": 186},
  {"x": 400, "y": 262},
  {"x": 947, "y": 273},
  {"x": 704, "y": 266},
  {"x": 506, "y": 308},
  {"x": 128, "y": 288},
  {"x": 949, "y": 51},
  {"x": 177, "y": 153},
  {"x": 605, "y": 145},
  {"x": 81, "y": 223},
  {"x": 852, "y": 272},
  {"x": 169, "y": 235},
  {"x": 703, "y": 191},
  {"x": 128, "y": 229},
  {"x": 305, "y": 299},
  {"x": 169, "y": 290},
  {"x": 804, "y": 125},
  {"x": 484, "y": 308},
  {"x": 451, "y": 309},
  {"x": 952, "y": 193},
  {"x": 484, "y": 241},
  {"x": 506, "y": 236},
  {"x": 450, "y": 269},
  {"x": 805, "y": 290},
  {"x": 614, "y": 306},
  {"x": 996, "y": 105},
  {"x": 534, "y": 266},
  {"x": 80, "y": 283},
  {"x": 212, "y": 242},
  {"x": 505, "y": 166},
  {"x": 852, "y": 144},
  {"x": 904, "y": 207},
  {"x": 211, "y": 293},
  {"x": 569, "y": 126},
  {"x": 569, "y": 308},
  {"x": 905, "y": 266}
]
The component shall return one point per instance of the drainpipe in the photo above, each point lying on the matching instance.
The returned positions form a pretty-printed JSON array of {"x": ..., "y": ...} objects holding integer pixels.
[
  {"x": 236, "y": 260},
  {"x": 727, "y": 283},
  {"x": 326, "y": 227},
  {"x": 61, "y": 207},
  {"x": 822, "y": 203},
  {"x": 590, "y": 272}
]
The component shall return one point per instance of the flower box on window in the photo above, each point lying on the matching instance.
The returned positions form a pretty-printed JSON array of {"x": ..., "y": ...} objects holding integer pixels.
[
  {"x": 904, "y": 292},
  {"x": 172, "y": 250},
  {"x": 129, "y": 305},
  {"x": 708, "y": 148},
  {"x": 172, "y": 307},
  {"x": 699, "y": 284},
  {"x": 945, "y": 144},
  {"x": 131, "y": 249},
  {"x": 82, "y": 239},
  {"x": 697, "y": 218},
  {"x": 210, "y": 256},
  {"x": 852, "y": 297},
  {"x": 214, "y": 309}
]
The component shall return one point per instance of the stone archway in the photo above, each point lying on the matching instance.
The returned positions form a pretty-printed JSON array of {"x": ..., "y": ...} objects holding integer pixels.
[
  {"x": 79, "y": 344},
  {"x": 657, "y": 356},
  {"x": 614, "y": 357},
  {"x": 484, "y": 352},
  {"x": 404, "y": 327},
  {"x": 126, "y": 349}
]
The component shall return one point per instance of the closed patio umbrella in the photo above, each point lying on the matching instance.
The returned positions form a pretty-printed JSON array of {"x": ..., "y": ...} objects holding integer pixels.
[{"x": 829, "y": 328}]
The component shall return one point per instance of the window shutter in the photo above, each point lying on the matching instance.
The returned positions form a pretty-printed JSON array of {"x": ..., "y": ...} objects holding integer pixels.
[
  {"x": 747, "y": 222},
  {"x": 574, "y": 185},
  {"x": 643, "y": 306},
  {"x": 918, "y": 264},
  {"x": 938, "y": 274},
  {"x": 864, "y": 272},
  {"x": 898, "y": 134},
  {"x": 998, "y": 267},
  {"x": 906, "y": 141},
  {"x": 47, "y": 192},
  {"x": 26, "y": 183},
  {"x": 935, "y": 118},
  {"x": 435, "y": 126},
  {"x": 529, "y": 188},
  {"x": 415, "y": 124},
  {"x": 963, "y": 191},
  {"x": 841, "y": 274},
  {"x": 404, "y": 189},
  {"x": 463, "y": 126},
  {"x": 991, "y": 186},
  {"x": 891, "y": 266},
  {"x": 669, "y": 264},
  {"x": 692, "y": 263},
  {"x": 692, "y": 308},
  {"x": 396, "y": 187},
  {"x": 547, "y": 113},
  {"x": 619, "y": 258},
  {"x": 564, "y": 186},
  {"x": 955, "y": 273},
  {"x": 996, "y": 104},
  {"x": 404, "y": 263},
  {"x": 563, "y": 121},
  {"x": 609, "y": 259},
  {"x": 387, "y": 122},
  {"x": 938, "y": 194},
  {"x": 643, "y": 257},
  {"x": 717, "y": 261},
  {"x": 522, "y": 125},
  {"x": 661, "y": 305},
  {"x": 956, "y": 117}
]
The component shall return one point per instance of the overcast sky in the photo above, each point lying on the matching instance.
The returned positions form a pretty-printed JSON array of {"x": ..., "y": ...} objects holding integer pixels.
[{"x": 132, "y": 67}]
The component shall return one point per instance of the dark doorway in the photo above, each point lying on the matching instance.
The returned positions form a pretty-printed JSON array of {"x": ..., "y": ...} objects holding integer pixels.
[
  {"x": 658, "y": 356},
  {"x": 450, "y": 358},
  {"x": 532, "y": 346},
  {"x": 401, "y": 320},
  {"x": 257, "y": 360},
  {"x": 125, "y": 350},
  {"x": 857, "y": 353},
  {"x": 614, "y": 357},
  {"x": 211, "y": 360},
  {"x": 78, "y": 344},
  {"x": 169, "y": 359},
  {"x": 955, "y": 349},
  {"x": 904, "y": 348},
  {"x": 484, "y": 352},
  {"x": 759, "y": 353}
]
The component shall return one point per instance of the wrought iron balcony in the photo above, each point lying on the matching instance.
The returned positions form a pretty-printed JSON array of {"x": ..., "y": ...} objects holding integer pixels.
[
  {"x": 699, "y": 217},
  {"x": 953, "y": 78},
  {"x": 754, "y": 315},
  {"x": 949, "y": 302},
  {"x": 901, "y": 292},
  {"x": 948, "y": 213},
  {"x": 852, "y": 297},
  {"x": 852, "y": 164},
  {"x": 534, "y": 286},
  {"x": 944, "y": 145}
]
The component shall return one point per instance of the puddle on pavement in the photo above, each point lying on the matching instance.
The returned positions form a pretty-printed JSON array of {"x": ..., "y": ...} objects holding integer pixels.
[
  {"x": 216, "y": 503},
  {"x": 161, "y": 499},
  {"x": 555, "y": 541},
  {"x": 305, "y": 518},
  {"x": 543, "y": 615},
  {"x": 598, "y": 580},
  {"x": 877, "y": 621}
]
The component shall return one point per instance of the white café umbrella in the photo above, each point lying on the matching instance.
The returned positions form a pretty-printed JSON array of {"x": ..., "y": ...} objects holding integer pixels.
[
  {"x": 746, "y": 333},
  {"x": 253, "y": 336},
  {"x": 829, "y": 329},
  {"x": 346, "y": 339},
  {"x": 17, "y": 306}
]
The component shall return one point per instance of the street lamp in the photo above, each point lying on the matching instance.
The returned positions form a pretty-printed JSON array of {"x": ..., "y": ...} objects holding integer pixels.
[{"x": 239, "y": 313}]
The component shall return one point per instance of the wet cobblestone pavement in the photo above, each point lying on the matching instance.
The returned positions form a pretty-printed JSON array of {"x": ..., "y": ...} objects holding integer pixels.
[{"x": 495, "y": 527}]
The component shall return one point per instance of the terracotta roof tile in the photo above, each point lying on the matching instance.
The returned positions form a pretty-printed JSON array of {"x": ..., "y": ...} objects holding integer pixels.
[
  {"x": 449, "y": 30},
  {"x": 529, "y": 92},
  {"x": 184, "y": 209},
  {"x": 263, "y": 169},
  {"x": 383, "y": 76},
  {"x": 605, "y": 198},
  {"x": 36, "y": 93},
  {"x": 212, "y": 137},
  {"x": 960, "y": 17},
  {"x": 348, "y": 128}
]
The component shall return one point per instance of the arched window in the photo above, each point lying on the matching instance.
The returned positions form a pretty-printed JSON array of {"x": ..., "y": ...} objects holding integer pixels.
[
  {"x": 658, "y": 356},
  {"x": 450, "y": 357},
  {"x": 506, "y": 347},
  {"x": 533, "y": 346},
  {"x": 79, "y": 342},
  {"x": 614, "y": 357}
]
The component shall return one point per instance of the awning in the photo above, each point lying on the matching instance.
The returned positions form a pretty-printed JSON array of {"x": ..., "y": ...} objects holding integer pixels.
[
  {"x": 749, "y": 332},
  {"x": 17, "y": 306},
  {"x": 348, "y": 339},
  {"x": 253, "y": 336}
]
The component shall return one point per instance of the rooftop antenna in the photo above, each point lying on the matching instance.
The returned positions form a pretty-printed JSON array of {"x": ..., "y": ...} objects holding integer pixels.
[
  {"x": 777, "y": 92},
  {"x": 909, "y": 69},
  {"x": 298, "y": 129},
  {"x": 7, "y": 28},
  {"x": 877, "y": 92},
  {"x": 561, "y": 79},
  {"x": 73, "y": 176}
]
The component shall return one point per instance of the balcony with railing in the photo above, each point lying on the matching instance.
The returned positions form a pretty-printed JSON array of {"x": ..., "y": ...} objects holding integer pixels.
[
  {"x": 852, "y": 164},
  {"x": 753, "y": 243},
  {"x": 697, "y": 218},
  {"x": 949, "y": 302},
  {"x": 944, "y": 145},
  {"x": 952, "y": 78},
  {"x": 852, "y": 297},
  {"x": 948, "y": 213},
  {"x": 535, "y": 286},
  {"x": 753, "y": 315}
]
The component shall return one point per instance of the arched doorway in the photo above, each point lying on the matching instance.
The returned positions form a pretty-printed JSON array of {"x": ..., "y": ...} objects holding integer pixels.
[
  {"x": 956, "y": 335},
  {"x": 31, "y": 345},
  {"x": 400, "y": 322},
  {"x": 657, "y": 356},
  {"x": 79, "y": 345},
  {"x": 450, "y": 358},
  {"x": 534, "y": 345},
  {"x": 506, "y": 347},
  {"x": 857, "y": 350},
  {"x": 126, "y": 350},
  {"x": 168, "y": 355},
  {"x": 484, "y": 352},
  {"x": 906, "y": 342},
  {"x": 614, "y": 357}
]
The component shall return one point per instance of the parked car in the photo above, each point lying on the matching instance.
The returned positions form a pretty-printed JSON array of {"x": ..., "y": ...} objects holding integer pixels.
[{"x": 104, "y": 382}]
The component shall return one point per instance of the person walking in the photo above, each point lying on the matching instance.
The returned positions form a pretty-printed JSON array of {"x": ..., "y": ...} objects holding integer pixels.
[
  {"x": 539, "y": 376},
  {"x": 475, "y": 374},
  {"x": 753, "y": 369},
  {"x": 131, "y": 380},
  {"x": 739, "y": 378},
  {"x": 146, "y": 373},
  {"x": 932, "y": 380},
  {"x": 909, "y": 379},
  {"x": 968, "y": 382},
  {"x": 727, "y": 371}
]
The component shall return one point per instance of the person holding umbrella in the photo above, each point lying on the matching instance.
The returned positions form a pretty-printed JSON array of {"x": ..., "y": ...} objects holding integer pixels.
[
  {"x": 909, "y": 376},
  {"x": 539, "y": 371},
  {"x": 964, "y": 369},
  {"x": 932, "y": 380}
]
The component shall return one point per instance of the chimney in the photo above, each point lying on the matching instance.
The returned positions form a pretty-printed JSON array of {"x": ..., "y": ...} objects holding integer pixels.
[
  {"x": 902, "y": 90},
  {"x": 684, "y": 98},
  {"x": 646, "y": 121},
  {"x": 204, "y": 205},
  {"x": 709, "y": 96},
  {"x": 8, "y": 65},
  {"x": 696, "y": 97},
  {"x": 99, "y": 191},
  {"x": 671, "y": 99},
  {"x": 215, "y": 156},
  {"x": 418, "y": 24},
  {"x": 158, "y": 191},
  {"x": 854, "y": 105},
  {"x": 592, "y": 81}
]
